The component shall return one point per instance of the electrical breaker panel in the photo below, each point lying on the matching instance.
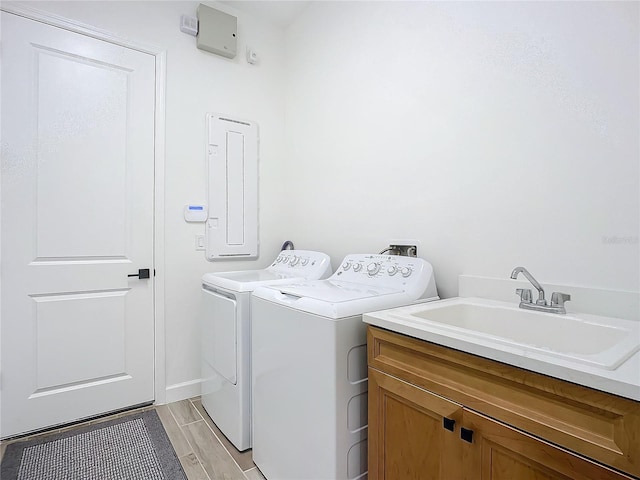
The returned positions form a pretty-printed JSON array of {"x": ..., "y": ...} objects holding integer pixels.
[{"x": 232, "y": 158}]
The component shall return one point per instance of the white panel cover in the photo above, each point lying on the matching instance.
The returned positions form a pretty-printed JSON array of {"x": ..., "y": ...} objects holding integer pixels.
[
  {"x": 220, "y": 328},
  {"x": 232, "y": 156}
]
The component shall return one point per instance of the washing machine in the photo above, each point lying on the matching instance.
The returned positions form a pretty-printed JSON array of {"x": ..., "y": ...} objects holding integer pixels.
[
  {"x": 226, "y": 336},
  {"x": 309, "y": 373}
]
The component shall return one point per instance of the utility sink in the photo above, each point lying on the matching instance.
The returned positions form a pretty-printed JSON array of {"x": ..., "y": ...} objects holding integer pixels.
[{"x": 600, "y": 342}]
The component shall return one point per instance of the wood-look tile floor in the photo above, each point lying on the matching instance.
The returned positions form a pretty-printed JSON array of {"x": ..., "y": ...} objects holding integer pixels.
[{"x": 203, "y": 451}]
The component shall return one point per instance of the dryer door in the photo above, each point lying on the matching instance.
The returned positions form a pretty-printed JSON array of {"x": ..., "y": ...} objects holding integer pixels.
[{"x": 219, "y": 341}]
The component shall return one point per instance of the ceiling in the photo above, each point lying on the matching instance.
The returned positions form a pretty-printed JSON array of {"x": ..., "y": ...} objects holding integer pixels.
[{"x": 277, "y": 12}]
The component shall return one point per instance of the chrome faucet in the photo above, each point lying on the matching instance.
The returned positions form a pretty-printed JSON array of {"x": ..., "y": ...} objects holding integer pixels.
[
  {"x": 533, "y": 281},
  {"x": 557, "y": 298}
]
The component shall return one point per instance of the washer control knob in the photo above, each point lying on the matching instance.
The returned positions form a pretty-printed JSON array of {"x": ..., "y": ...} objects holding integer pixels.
[
  {"x": 357, "y": 267},
  {"x": 406, "y": 271},
  {"x": 284, "y": 259},
  {"x": 346, "y": 265},
  {"x": 294, "y": 260},
  {"x": 304, "y": 261},
  {"x": 373, "y": 268},
  {"x": 392, "y": 270}
]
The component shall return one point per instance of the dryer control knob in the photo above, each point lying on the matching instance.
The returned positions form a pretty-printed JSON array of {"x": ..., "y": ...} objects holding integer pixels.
[
  {"x": 373, "y": 268},
  {"x": 392, "y": 270},
  {"x": 406, "y": 271},
  {"x": 346, "y": 265},
  {"x": 357, "y": 267},
  {"x": 284, "y": 259},
  {"x": 304, "y": 261},
  {"x": 294, "y": 260}
]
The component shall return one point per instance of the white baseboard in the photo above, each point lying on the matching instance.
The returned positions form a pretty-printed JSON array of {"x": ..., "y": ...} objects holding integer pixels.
[{"x": 182, "y": 391}]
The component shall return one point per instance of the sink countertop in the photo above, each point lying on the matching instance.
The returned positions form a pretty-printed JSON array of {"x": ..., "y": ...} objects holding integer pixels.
[{"x": 623, "y": 381}]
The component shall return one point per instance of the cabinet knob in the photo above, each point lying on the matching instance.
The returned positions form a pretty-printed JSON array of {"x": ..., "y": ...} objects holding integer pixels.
[
  {"x": 466, "y": 435},
  {"x": 449, "y": 424}
]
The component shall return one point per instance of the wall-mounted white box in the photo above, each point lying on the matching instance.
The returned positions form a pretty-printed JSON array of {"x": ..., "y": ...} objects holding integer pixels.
[
  {"x": 232, "y": 157},
  {"x": 217, "y": 31}
]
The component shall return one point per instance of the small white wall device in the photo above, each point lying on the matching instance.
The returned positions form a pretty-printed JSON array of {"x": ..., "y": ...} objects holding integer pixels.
[
  {"x": 195, "y": 213},
  {"x": 252, "y": 56},
  {"x": 189, "y": 25}
]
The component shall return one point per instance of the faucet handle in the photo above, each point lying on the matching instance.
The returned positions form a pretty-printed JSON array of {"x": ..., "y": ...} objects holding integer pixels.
[
  {"x": 525, "y": 294},
  {"x": 558, "y": 299}
]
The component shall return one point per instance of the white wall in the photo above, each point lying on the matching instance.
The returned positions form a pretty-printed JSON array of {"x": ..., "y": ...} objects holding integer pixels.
[
  {"x": 496, "y": 133},
  {"x": 199, "y": 82}
]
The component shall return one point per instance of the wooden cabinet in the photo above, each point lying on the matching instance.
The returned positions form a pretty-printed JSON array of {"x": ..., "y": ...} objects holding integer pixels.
[
  {"x": 407, "y": 440},
  {"x": 436, "y": 413}
]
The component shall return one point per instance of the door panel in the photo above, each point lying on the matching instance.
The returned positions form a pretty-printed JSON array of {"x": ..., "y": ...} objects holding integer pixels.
[
  {"x": 408, "y": 440},
  {"x": 220, "y": 325},
  {"x": 81, "y": 189},
  {"x": 61, "y": 357},
  {"x": 77, "y": 218},
  {"x": 500, "y": 452}
]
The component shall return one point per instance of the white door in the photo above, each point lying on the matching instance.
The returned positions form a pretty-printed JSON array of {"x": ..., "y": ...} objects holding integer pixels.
[{"x": 77, "y": 334}]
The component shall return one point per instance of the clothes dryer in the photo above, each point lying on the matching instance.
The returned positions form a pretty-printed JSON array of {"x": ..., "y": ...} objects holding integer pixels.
[
  {"x": 309, "y": 357},
  {"x": 226, "y": 336}
]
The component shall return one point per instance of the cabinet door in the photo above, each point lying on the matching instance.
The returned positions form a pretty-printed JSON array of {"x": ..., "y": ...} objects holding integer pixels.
[
  {"x": 499, "y": 452},
  {"x": 407, "y": 437}
]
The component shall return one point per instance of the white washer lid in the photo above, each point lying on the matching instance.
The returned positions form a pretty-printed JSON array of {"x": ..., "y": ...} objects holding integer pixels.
[
  {"x": 333, "y": 291},
  {"x": 247, "y": 280},
  {"x": 332, "y": 301}
]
